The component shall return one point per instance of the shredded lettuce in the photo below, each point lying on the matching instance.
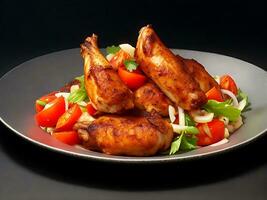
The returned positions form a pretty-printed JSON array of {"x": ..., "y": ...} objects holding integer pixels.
[
  {"x": 130, "y": 65},
  {"x": 80, "y": 94},
  {"x": 188, "y": 143},
  {"x": 183, "y": 142},
  {"x": 222, "y": 109},
  {"x": 240, "y": 96},
  {"x": 175, "y": 146},
  {"x": 112, "y": 49},
  {"x": 189, "y": 121},
  {"x": 40, "y": 102}
]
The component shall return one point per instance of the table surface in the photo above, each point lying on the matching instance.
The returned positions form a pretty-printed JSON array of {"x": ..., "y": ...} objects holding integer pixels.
[{"x": 28, "y": 171}]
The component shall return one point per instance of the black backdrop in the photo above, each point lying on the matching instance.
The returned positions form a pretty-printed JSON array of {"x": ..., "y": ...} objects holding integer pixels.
[
  {"x": 219, "y": 26},
  {"x": 32, "y": 28}
]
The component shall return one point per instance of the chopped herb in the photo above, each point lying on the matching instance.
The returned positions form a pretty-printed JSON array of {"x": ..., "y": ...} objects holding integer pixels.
[
  {"x": 130, "y": 65},
  {"x": 222, "y": 109},
  {"x": 81, "y": 79},
  {"x": 189, "y": 121},
  {"x": 41, "y": 103},
  {"x": 188, "y": 143},
  {"x": 80, "y": 94},
  {"x": 175, "y": 146},
  {"x": 240, "y": 96},
  {"x": 112, "y": 49}
]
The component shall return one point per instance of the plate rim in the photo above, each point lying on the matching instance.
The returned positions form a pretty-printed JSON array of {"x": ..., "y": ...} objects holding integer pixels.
[{"x": 127, "y": 159}]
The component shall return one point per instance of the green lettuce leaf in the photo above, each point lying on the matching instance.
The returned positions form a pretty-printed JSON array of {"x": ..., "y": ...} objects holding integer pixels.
[
  {"x": 189, "y": 121},
  {"x": 130, "y": 65},
  {"x": 112, "y": 49},
  {"x": 175, "y": 146},
  {"x": 80, "y": 94},
  {"x": 240, "y": 96},
  {"x": 188, "y": 143},
  {"x": 222, "y": 109}
]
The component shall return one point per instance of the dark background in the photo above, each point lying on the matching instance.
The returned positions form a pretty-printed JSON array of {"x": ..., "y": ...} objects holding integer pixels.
[{"x": 32, "y": 28}]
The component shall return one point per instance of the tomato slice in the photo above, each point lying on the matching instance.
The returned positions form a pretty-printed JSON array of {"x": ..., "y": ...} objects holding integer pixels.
[
  {"x": 132, "y": 79},
  {"x": 46, "y": 99},
  {"x": 228, "y": 83},
  {"x": 119, "y": 58},
  {"x": 69, "y": 118},
  {"x": 216, "y": 132},
  {"x": 67, "y": 137},
  {"x": 48, "y": 117},
  {"x": 214, "y": 94},
  {"x": 90, "y": 109}
]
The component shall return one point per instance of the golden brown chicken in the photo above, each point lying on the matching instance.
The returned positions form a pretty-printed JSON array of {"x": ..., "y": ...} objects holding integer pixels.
[
  {"x": 127, "y": 135},
  {"x": 149, "y": 97},
  {"x": 167, "y": 71},
  {"x": 103, "y": 85},
  {"x": 198, "y": 72}
]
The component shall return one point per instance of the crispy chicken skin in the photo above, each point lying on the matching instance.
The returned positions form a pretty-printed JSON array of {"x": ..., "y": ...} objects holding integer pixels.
[
  {"x": 103, "y": 85},
  {"x": 198, "y": 72},
  {"x": 149, "y": 97},
  {"x": 167, "y": 71},
  {"x": 127, "y": 135}
]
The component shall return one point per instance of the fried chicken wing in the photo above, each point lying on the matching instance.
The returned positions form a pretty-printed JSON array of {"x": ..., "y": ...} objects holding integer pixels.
[
  {"x": 198, "y": 72},
  {"x": 149, "y": 97},
  {"x": 167, "y": 71},
  {"x": 127, "y": 135},
  {"x": 103, "y": 85}
]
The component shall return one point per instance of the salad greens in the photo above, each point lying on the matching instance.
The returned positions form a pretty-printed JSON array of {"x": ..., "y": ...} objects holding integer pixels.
[
  {"x": 40, "y": 102},
  {"x": 183, "y": 142},
  {"x": 240, "y": 96},
  {"x": 112, "y": 49},
  {"x": 222, "y": 108},
  {"x": 130, "y": 65},
  {"x": 80, "y": 94},
  {"x": 189, "y": 121}
]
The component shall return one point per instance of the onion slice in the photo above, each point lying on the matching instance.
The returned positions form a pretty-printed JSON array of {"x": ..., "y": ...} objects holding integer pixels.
[
  {"x": 230, "y": 94},
  {"x": 204, "y": 119},
  {"x": 66, "y": 96},
  {"x": 128, "y": 48},
  {"x": 181, "y": 116},
  {"x": 110, "y": 56},
  {"x": 171, "y": 110},
  {"x": 223, "y": 141},
  {"x": 189, "y": 129},
  {"x": 242, "y": 104}
]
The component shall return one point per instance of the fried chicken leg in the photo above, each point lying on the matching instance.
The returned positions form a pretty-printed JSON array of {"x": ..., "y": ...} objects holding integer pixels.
[
  {"x": 167, "y": 71},
  {"x": 103, "y": 85},
  {"x": 149, "y": 97},
  {"x": 198, "y": 72},
  {"x": 127, "y": 135}
]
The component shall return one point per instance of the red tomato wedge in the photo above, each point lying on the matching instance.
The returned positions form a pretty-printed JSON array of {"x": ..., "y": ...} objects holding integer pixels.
[
  {"x": 46, "y": 99},
  {"x": 48, "y": 117},
  {"x": 228, "y": 83},
  {"x": 132, "y": 79},
  {"x": 215, "y": 132},
  {"x": 90, "y": 109},
  {"x": 119, "y": 58},
  {"x": 214, "y": 94},
  {"x": 67, "y": 137},
  {"x": 69, "y": 118}
]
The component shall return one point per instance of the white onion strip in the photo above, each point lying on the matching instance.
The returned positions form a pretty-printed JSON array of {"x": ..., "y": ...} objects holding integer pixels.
[
  {"x": 242, "y": 104},
  {"x": 181, "y": 116},
  {"x": 128, "y": 48},
  {"x": 66, "y": 96},
  {"x": 178, "y": 128},
  {"x": 203, "y": 118},
  {"x": 171, "y": 110},
  {"x": 223, "y": 141},
  {"x": 230, "y": 94}
]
